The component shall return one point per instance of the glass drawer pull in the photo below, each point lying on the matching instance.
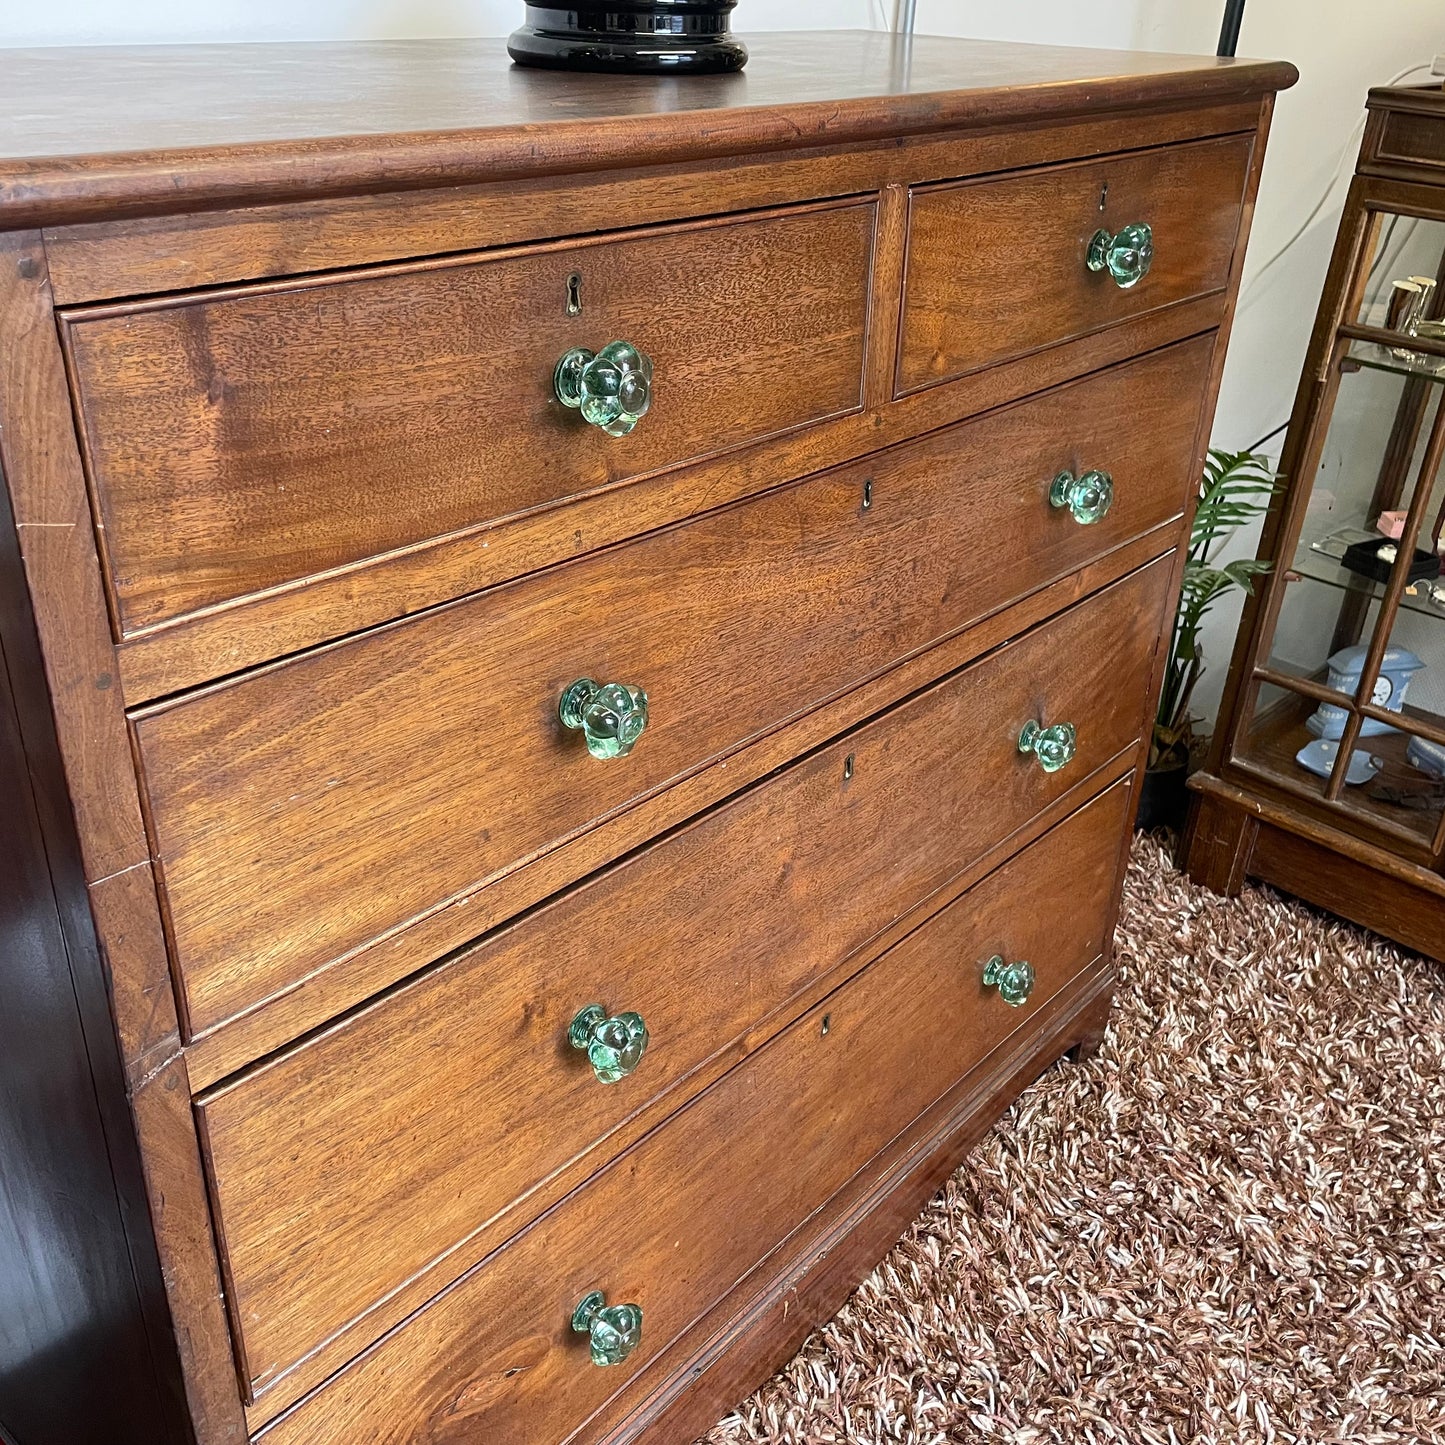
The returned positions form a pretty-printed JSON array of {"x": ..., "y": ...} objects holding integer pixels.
[
  {"x": 612, "y": 388},
  {"x": 1014, "y": 981},
  {"x": 614, "y": 1046},
  {"x": 1088, "y": 496},
  {"x": 613, "y": 1330},
  {"x": 1054, "y": 746},
  {"x": 1126, "y": 255},
  {"x": 611, "y": 716}
]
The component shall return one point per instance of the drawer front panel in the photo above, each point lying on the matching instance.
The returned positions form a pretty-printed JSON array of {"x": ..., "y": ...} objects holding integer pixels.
[
  {"x": 705, "y": 933},
  {"x": 998, "y": 268},
  {"x": 304, "y": 811},
  {"x": 242, "y": 442},
  {"x": 676, "y": 1221}
]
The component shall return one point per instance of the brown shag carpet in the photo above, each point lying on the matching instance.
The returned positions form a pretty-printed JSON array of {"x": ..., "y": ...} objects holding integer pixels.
[{"x": 1228, "y": 1226}]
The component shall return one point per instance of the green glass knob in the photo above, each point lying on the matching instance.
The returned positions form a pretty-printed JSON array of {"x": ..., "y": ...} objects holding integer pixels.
[
  {"x": 615, "y": 1330},
  {"x": 1054, "y": 746},
  {"x": 612, "y": 388},
  {"x": 611, "y": 715},
  {"x": 1088, "y": 497},
  {"x": 614, "y": 1046},
  {"x": 1014, "y": 981},
  {"x": 1126, "y": 255}
]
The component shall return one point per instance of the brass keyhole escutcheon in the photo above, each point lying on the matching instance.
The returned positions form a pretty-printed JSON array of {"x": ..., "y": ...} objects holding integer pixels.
[{"x": 574, "y": 294}]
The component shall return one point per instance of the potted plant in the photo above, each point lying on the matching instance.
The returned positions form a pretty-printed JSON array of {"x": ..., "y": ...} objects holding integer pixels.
[{"x": 1236, "y": 488}]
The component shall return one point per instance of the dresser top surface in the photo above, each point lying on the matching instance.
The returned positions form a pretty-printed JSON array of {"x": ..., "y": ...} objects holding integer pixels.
[{"x": 97, "y": 127}]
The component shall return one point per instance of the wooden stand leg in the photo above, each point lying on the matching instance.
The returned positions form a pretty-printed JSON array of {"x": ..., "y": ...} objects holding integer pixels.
[{"x": 1217, "y": 843}]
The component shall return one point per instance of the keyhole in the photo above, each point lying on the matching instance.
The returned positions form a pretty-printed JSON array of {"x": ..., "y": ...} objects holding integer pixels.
[
  {"x": 574, "y": 294},
  {"x": 848, "y": 768},
  {"x": 1104, "y": 196},
  {"x": 827, "y": 1024},
  {"x": 868, "y": 494}
]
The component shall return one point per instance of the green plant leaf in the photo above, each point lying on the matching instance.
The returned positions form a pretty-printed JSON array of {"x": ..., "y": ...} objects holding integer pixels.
[{"x": 1235, "y": 489}]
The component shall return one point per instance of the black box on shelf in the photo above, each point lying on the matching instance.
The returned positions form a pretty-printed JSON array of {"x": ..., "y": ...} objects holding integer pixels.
[{"x": 1362, "y": 557}]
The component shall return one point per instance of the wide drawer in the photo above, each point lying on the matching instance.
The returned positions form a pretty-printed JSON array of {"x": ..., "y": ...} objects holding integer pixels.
[
  {"x": 356, "y": 1152},
  {"x": 304, "y": 811},
  {"x": 999, "y": 268},
  {"x": 677, "y": 1221},
  {"x": 240, "y": 441}
]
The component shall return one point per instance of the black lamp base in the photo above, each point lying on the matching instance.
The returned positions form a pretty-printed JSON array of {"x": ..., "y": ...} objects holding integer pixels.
[{"x": 665, "y": 37}]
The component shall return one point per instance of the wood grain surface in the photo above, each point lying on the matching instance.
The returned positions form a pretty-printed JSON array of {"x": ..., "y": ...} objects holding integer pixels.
[
  {"x": 345, "y": 1168},
  {"x": 311, "y": 557},
  {"x": 997, "y": 268},
  {"x": 242, "y": 442},
  {"x": 131, "y": 130},
  {"x": 198, "y": 649},
  {"x": 94, "y": 260},
  {"x": 53, "y": 535},
  {"x": 312, "y": 807},
  {"x": 681, "y": 1217}
]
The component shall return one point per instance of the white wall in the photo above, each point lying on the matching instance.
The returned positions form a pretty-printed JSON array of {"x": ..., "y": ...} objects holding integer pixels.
[
  {"x": 1341, "y": 47},
  {"x": 112, "y": 22}
]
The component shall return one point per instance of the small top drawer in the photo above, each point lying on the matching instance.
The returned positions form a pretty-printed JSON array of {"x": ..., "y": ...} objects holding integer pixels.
[
  {"x": 999, "y": 268},
  {"x": 243, "y": 440}
]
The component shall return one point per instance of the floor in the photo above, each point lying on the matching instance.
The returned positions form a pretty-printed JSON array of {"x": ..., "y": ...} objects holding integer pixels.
[{"x": 1228, "y": 1226}]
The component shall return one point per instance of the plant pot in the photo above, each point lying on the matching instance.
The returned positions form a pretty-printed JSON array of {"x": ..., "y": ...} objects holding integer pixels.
[
  {"x": 1163, "y": 799},
  {"x": 663, "y": 37}
]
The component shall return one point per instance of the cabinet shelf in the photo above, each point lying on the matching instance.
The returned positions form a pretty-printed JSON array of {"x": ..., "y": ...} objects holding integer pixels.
[
  {"x": 1381, "y": 358},
  {"x": 1317, "y": 566}
]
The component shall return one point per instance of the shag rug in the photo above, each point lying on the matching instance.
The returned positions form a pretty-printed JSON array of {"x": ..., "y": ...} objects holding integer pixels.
[{"x": 1227, "y": 1226}]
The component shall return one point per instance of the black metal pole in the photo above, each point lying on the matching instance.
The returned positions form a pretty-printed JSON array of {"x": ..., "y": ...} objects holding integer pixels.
[{"x": 1229, "y": 31}]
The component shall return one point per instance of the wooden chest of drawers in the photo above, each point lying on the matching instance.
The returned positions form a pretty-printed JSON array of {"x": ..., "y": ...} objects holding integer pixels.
[{"x": 565, "y": 883}]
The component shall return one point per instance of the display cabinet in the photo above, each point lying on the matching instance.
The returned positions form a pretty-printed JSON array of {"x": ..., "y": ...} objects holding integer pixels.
[{"x": 1327, "y": 777}]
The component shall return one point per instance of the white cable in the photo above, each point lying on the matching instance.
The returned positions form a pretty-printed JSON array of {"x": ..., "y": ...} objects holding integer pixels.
[{"x": 1346, "y": 152}]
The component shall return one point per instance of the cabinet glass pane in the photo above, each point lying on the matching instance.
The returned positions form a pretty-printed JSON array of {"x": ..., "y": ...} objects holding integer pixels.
[
  {"x": 1295, "y": 740},
  {"x": 1406, "y": 248},
  {"x": 1370, "y": 467},
  {"x": 1399, "y": 793},
  {"x": 1307, "y": 633},
  {"x": 1277, "y": 732},
  {"x": 1412, "y": 683}
]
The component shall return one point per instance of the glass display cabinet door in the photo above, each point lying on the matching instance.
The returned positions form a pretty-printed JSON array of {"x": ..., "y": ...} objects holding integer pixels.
[{"x": 1346, "y": 697}]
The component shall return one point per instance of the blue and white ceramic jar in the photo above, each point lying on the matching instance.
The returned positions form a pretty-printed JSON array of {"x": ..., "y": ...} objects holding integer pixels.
[{"x": 1397, "y": 668}]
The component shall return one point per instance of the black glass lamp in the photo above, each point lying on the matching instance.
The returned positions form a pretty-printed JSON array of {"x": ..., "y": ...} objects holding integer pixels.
[{"x": 659, "y": 37}]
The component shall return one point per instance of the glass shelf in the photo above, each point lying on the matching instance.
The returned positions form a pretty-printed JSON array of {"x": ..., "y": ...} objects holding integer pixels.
[
  {"x": 1383, "y": 358},
  {"x": 1319, "y": 566}
]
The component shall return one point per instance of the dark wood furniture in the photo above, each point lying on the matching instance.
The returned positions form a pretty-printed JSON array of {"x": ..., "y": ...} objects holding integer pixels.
[
  {"x": 1367, "y": 437},
  {"x": 315, "y": 549}
]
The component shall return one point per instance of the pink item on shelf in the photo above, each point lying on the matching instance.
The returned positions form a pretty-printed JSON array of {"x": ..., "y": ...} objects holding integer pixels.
[{"x": 1392, "y": 524}]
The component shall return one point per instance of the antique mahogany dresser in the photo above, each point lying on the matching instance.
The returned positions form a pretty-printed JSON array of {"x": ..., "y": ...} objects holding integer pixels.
[{"x": 577, "y": 651}]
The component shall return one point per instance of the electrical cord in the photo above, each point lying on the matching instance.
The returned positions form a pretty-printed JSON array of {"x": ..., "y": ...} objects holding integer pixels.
[
  {"x": 1346, "y": 151},
  {"x": 1269, "y": 436}
]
